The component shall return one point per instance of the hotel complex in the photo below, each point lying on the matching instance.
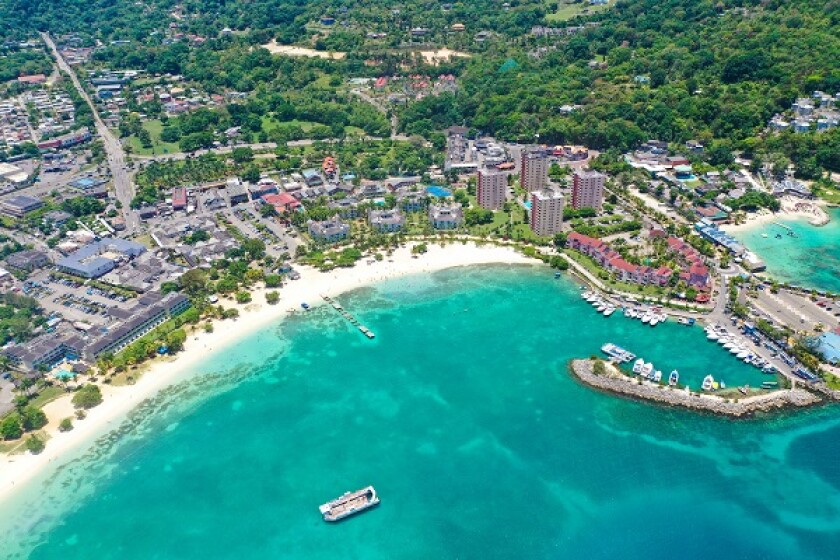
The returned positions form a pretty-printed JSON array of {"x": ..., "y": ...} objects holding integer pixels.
[
  {"x": 534, "y": 171},
  {"x": 588, "y": 190},
  {"x": 491, "y": 189},
  {"x": 546, "y": 212}
]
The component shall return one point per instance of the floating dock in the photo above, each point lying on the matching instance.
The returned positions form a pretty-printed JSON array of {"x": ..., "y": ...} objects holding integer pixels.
[
  {"x": 349, "y": 504},
  {"x": 352, "y": 320}
]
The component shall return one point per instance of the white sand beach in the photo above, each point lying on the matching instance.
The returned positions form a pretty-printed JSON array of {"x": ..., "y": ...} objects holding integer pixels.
[
  {"x": 17, "y": 469},
  {"x": 792, "y": 207}
]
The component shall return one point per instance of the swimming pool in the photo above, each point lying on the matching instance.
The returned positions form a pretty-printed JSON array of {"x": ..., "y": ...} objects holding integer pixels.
[{"x": 439, "y": 191}]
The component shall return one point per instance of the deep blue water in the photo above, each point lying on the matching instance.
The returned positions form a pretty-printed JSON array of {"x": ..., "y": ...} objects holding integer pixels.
[{"x": 464, "y": 417}]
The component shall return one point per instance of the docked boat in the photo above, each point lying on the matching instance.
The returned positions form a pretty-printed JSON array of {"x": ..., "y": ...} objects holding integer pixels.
[
  {"x": 657, "y": 376},
  {"x": 647, "y": 370},
  {"x": 769, "y": 384},
  {"x": 305, "y": 306},
  {"x": 712, "y": 335},
  {"x": 674, "y": 378},
  {"x": 708, "y": 383},
  {"x": 609, "y": 311},
  {"x": 654, "y": 320},
  {"x": 601, "y": 307},
  {"x": 638, "y": 365},
  {"x": 722, "y": 385},
  {"x": 627, "y": 312},
  {"x": 744, "y": 353},
  {"x": 646, "y": 318},
  {"x": 744, "y": 390},
  {"x": 687, "y": 321},
  {"x": 349, "y": 504}
]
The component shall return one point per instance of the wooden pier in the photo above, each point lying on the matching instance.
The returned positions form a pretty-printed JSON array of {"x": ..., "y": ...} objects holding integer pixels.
[{"x": 352, "y": 320}]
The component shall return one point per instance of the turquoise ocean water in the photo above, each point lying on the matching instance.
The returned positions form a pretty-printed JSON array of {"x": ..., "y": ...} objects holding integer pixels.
[
  {"x": 463, "y": 416},
  {"x": 810, "y": 259}
]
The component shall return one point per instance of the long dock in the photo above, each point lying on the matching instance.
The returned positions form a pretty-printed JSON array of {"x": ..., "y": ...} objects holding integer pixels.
[{"x": 352, "y": 320}]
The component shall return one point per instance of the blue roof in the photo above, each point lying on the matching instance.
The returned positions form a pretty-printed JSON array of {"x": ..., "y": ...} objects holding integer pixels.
[{"x": 829, "y": 345}]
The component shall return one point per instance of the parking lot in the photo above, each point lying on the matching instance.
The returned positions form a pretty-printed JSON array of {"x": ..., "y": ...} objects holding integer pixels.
[
  {"x": 76, "y": 302},
  {"x": 798, "y": 311}
]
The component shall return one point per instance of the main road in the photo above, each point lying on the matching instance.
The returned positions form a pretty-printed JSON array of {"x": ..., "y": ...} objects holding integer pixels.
[{"x": 114, "y": 150}]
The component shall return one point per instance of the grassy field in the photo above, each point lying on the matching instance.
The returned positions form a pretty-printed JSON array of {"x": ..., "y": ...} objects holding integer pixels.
[
  {"x": 158, "y": 146},
  {"x": 831, "y": 196},
  {"x": 566, "y": 10}
]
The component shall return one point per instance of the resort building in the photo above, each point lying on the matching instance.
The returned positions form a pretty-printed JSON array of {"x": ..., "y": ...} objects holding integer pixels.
[
  {"x": 534, "y": 171},
  {"x": 386, "y": 221},
  {"x": 100, "y": 257},
  {"x": 491, "y": 189},
  {"x": 151, "y": 310},
  {"x": 612, "y": 261},
  {"x": 588, "y": 190},
  {"x": 329, "y": 231},
  {"x": 446, "y": 216},
  {"x": 546, "y": 212},
  {"x": 44, "y": 352}
]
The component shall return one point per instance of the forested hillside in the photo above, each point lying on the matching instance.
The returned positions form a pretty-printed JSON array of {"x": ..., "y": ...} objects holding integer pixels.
[{"x": 711, "y": 70}]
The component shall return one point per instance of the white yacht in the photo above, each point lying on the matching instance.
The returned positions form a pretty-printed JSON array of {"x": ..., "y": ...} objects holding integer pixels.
[
  {"x": 744, "y": 354},
  {"x": 638, "y": 365},
  {"x": 646, "y": 317},
  {"x": 601, "y": 307},
  {"x": 712, "y": 335},
  {"x": 708, "y": 383},
  {"x": 654, "y": 320},
  {"x": 647, "y": 369},
  {"x": 609, "y": 311},
  {"x": 657, "y": 376},
  {"x": 674, "y": 378}
]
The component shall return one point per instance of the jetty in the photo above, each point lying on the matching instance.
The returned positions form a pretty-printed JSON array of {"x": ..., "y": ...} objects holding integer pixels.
[
  {"x": 787, "y": 228},
  {"x": 349, "y": 504},
  {"x": 620, "y": 384},
  {"x": 352, "y": 320}
]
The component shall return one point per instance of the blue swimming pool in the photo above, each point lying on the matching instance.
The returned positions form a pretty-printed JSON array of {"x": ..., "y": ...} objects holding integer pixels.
[{"x": 436, "y": 190}]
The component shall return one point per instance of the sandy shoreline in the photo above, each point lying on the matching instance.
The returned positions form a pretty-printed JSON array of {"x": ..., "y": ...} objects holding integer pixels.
[
  {"x": 811, "y": 210},
  {"x": 16, "y": 470}
]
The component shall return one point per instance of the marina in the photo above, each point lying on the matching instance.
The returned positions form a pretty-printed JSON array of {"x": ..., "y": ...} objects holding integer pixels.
[
  {"x": 350, "y": 318},
  {"x": 648, "y": 315},
  {"x": 349, "y": 504}
]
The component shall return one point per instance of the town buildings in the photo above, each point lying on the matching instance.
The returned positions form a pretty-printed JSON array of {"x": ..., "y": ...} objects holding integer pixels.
[
  {"x": 491, "y": 189},
  {"x": 546, "y": 212},
  {"x": 100, "y": 257},
  {"x": 588, "y": 190}
]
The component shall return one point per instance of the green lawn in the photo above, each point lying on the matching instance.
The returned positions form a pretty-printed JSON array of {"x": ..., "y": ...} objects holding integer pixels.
[
  {"x": 566, "y": 10},
  {"x": 831, "y": 196},
  {"x": 158, "y": 146}
]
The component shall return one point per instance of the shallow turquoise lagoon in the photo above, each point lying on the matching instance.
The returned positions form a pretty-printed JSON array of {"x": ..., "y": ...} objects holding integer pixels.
[
  {"x": 463, "y": 416},
  {"x": 811, "y": 258}
]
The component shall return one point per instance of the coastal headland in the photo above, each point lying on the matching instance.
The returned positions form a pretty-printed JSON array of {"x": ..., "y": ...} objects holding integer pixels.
[
  {"x": 118, "y": 401},
  {"x": 615, "y": 382}
]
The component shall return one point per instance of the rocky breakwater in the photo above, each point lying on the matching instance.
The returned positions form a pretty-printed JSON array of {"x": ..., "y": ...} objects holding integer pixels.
[{"x": 608, "y": 378}]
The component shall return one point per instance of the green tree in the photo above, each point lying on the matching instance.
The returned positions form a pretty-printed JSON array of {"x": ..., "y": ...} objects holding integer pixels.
[
  {"x": 175, "y": 340},
  {"x": 10, "y": 427},
  {"x": 32, "y": 418},
  {"x": 34, "y": 444},
  {"x": 66, "y": 425},
  {"x": 243, "y": 297},
  {"x": 88, "y": 396},
  {"x": 272, "y": 297}
]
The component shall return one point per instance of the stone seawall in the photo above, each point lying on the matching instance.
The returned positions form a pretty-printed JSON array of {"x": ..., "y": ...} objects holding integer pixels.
[{"x": 615, "y": 382}]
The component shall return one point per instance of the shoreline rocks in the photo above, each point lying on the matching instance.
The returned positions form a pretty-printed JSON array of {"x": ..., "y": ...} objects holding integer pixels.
[{"x": 615, "y": 382}]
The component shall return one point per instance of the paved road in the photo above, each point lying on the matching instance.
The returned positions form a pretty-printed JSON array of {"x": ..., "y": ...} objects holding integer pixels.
[{"x": 113, "y": 148}]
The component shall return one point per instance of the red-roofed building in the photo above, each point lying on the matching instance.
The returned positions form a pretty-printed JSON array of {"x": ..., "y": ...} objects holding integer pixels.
[
  {"x": 179, "y": 199},
  {"x": 34, "y": 79},
  {"x": 283, "y": 202}
]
